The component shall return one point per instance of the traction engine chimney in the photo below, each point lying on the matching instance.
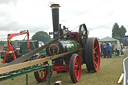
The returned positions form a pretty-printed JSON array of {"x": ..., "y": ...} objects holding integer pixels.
[{"x": 55, "y": 19}]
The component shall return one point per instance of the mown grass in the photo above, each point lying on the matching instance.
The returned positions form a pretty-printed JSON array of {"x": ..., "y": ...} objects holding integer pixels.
[{"x": 109, "y": 73}]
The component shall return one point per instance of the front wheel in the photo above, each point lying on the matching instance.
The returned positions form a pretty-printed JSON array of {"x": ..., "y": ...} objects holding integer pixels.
[{"x": 75, "y": 68}]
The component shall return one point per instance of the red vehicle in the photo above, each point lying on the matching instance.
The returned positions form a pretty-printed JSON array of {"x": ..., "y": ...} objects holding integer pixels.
[{"x": 11, "y": 53}]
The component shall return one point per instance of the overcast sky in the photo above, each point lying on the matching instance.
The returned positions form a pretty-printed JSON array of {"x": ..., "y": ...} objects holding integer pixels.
[{"x": 35, "y": 15}]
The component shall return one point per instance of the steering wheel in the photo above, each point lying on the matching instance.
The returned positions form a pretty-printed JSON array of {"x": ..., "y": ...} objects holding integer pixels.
[{"x": 83, "y": 34}]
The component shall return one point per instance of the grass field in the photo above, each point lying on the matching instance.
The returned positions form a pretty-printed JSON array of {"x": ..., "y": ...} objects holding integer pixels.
[{"x": 109, "y": 73}]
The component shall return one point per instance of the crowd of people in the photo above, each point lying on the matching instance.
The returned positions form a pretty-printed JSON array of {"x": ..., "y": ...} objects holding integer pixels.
[{"x": 107, "y": 49}]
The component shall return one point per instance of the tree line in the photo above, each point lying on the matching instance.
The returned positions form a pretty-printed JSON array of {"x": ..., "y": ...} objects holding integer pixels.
[{"x": 118, "y": 32}]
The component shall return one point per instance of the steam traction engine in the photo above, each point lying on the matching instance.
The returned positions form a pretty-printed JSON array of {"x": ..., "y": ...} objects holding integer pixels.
[{"x": 84, "y": 50}]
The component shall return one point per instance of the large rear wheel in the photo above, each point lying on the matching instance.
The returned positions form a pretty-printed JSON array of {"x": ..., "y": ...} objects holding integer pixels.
[
  {"x": 92, "y": 54},
  {"x": 75, "y": 68},
  {"x": 41, "y": 75}
]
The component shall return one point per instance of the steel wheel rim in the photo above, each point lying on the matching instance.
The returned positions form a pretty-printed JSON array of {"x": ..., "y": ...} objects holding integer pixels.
[
  {"x": 77, "y": 68},
  {"x": 96, "y": 55}
]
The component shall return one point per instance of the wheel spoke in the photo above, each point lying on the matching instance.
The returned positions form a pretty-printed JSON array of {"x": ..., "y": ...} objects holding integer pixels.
[
  {"x": 95, "y": 64},
  {"x": 42, "y": 74},
  {"x": 95, "y": 48},
  {"x": 76, "y": 64},
  {"x": 84, "y": 32},
  {"x": 94, "y": 58}
]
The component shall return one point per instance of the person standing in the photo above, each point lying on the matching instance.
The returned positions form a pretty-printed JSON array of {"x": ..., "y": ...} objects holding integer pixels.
[
  {"x": 108, "y": 50},
  {"x": 113, "y": 46},
  {"x": 101, "y": 48},
  {"x": 104, "y": 50},
  {"x": 121, "y": 49}
]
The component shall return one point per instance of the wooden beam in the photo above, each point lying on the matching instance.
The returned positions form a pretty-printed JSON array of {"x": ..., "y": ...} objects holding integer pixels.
[
  {"x": 58, "y": 83},
  {"x": 18, "y": 66},
  {"x": 121, "y": 78}
]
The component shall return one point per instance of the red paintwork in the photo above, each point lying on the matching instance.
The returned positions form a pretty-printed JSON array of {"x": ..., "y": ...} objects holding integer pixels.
[
  {"x": 76, "y": 38},
  {"x": 77, "y": 35},
  {"x": 77, "y": 63},
  {"x": 43, "y": 74},
  {"x": 10, "y": 48},
  {"x": 96, "y": 59},
  {"x": 60, "y": 67}
]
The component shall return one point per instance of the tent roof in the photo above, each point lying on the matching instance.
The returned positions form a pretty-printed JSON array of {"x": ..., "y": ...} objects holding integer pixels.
[{"x": 107, "y": 39}]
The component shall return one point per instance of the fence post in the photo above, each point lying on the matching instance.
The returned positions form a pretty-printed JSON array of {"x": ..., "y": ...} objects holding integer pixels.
[
  {"x": 125, "y": 67},
  {"x": 26, "y": 79}
]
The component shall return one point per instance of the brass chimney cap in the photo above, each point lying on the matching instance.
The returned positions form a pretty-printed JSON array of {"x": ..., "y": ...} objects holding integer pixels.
[{"x": 53, "y": 6}]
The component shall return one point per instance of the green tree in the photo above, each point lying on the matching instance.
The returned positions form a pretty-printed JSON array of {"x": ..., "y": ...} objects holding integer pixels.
[
  {"x": 41, "y": 36},
  {"x": 115, "y": 30},
  {"x": 122, "y": 31},
  {"x": 118, "y": 32}
]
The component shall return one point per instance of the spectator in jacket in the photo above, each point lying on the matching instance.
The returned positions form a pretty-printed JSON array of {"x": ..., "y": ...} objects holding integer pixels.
[{"x": 108, "y": 50}]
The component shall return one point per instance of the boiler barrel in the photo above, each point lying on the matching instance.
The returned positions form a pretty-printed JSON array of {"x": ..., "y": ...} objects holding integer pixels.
[{"x": 62, "y": 46}]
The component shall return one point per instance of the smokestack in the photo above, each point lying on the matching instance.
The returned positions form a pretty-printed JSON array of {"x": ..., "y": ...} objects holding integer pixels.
[{"x": 55, "y": 19}]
